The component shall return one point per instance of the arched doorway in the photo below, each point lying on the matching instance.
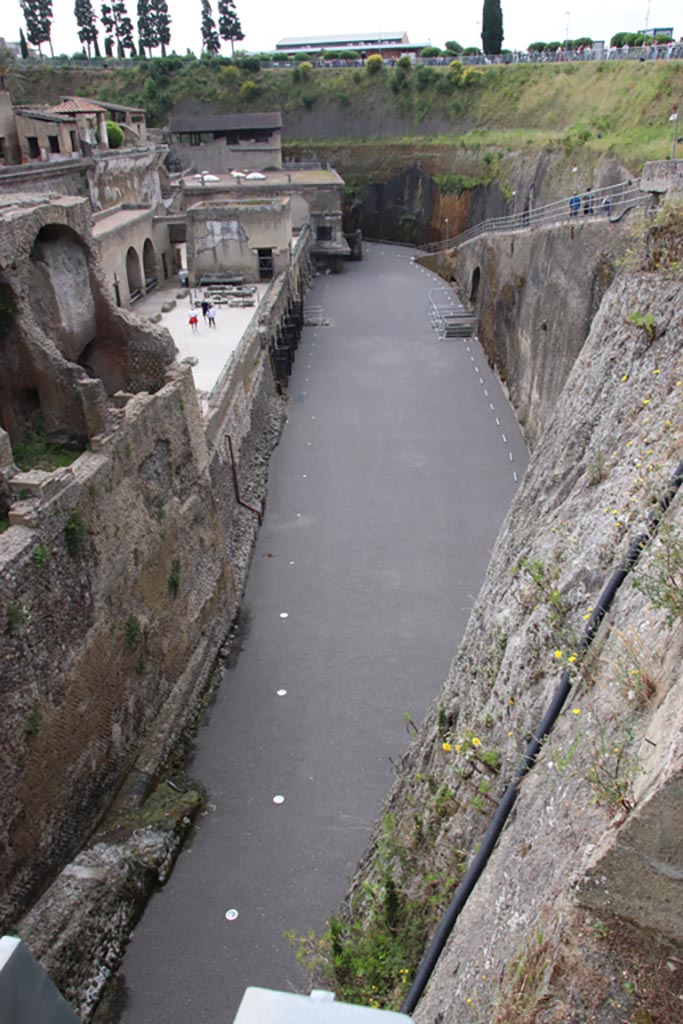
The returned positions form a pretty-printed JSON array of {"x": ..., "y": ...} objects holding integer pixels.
[
  {"x": 149, "y": 264},
  {"x": 474, "y": 288},
  {"x": 134, "y": 275}
]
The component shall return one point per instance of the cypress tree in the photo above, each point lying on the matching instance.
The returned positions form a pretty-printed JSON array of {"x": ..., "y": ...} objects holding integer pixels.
[
  {"x": 492, "y": 27},
  {"x": 23, "y": 45},
  {"x": 210, "y": 41},
  {"x": 229, "y": 25}
]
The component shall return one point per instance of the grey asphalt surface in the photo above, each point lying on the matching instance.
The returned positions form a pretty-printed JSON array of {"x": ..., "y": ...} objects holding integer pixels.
[{"x": 392, "y": 477}]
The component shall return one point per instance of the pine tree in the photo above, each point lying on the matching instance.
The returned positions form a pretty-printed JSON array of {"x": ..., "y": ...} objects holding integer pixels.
[
  {"x": 210, "y": 41},
  {"x": 125, "y": 26},
  {"x": 228, "y": 23},
  {"x": 38, "y": 18},
  {"x": 147, "y": 34},
  {"x": 162, "y": 22},
  {"x": 492, "y": 27},
  {"x": 119, "y": 28},
  {"x": 87, "y": 25}
]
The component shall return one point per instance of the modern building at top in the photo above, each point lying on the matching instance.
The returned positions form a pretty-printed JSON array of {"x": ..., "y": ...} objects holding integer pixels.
[{"x": 365, "y": 44}]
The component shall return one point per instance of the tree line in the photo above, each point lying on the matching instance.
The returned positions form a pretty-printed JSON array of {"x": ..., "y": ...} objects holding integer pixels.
[{"x": 120, "y": 36}]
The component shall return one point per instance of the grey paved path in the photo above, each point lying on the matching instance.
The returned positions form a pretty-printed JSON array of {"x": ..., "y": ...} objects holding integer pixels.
[{"x": 394, "y": 472}]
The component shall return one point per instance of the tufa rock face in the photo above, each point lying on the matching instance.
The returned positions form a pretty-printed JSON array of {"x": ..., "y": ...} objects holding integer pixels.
[{"x": 597, "y": 818}]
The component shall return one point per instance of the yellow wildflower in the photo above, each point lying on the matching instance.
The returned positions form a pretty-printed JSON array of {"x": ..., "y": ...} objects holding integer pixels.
[
  {"x": 476, "y": 742},
  {"x": 447, "y": 747}
]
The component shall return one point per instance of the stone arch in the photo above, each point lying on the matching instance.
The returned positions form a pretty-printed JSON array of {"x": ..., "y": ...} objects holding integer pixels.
[
  {"x": 474, "y": 287},
  {"x": 136, "y": 287},
  {"x": 149, "y": 265},
  {"x": 61, "y": 294}
]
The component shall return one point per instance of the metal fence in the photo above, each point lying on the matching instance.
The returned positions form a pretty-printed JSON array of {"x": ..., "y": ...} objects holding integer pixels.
[
  {"x": 659, "y": 51},
  {"x": 610, "y": 204}
]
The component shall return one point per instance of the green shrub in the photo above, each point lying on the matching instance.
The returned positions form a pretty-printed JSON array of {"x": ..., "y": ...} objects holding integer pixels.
[
  {"x": 34, "y": 723},
  {"x": 114, "y": 135},
  {"x": 40, "y": 555},
  {"x": 303, "y": 72},
  {"x": 455, "y": 70},
  {"x": 132, "y": 632},
  {"x": 174, "y": 579},
  {"x": 74, "y": 532},
  {"x": 230, "y": 75},
  {"x": 430, "y": 51},
  {"x": 374, "y": 65},
  {"x": 249, "y": 90},
  {"x": 425, "y": 77},
  {"x": 15, "y": 617},
  {"x": 404, "y": 62}
]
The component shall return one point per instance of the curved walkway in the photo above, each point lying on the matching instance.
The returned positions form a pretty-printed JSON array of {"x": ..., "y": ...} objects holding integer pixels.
[{"x": 395, "y": 469}]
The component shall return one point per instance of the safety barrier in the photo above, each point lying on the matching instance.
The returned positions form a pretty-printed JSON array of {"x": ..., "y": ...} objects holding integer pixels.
[{"x": 610, "y": 204}]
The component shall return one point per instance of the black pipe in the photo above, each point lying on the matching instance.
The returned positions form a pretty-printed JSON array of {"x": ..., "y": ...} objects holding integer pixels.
[{"x": 464, "y": 890}]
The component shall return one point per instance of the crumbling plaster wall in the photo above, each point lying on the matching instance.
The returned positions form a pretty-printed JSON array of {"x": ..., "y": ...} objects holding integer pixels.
[
  {"x": 132, "y": 176},
  {"x": 227, "y": 238}
]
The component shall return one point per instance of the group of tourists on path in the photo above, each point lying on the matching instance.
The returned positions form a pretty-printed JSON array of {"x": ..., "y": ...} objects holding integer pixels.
[
  {"x": 208, "y": 313},
  {"x": 577, "y": 202}
]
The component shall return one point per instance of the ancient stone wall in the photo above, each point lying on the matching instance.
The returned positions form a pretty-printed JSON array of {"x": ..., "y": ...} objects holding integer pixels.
[{"x": 120, "y": 577}]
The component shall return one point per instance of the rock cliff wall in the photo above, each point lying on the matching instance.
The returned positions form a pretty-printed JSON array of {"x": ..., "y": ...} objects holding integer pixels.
[
  {"x": 536, "y": 294},
  {"x": 577, "y": 916}
]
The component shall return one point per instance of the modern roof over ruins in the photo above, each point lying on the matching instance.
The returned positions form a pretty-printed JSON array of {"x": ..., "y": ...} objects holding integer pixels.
[{"x": 182, "y": 123}]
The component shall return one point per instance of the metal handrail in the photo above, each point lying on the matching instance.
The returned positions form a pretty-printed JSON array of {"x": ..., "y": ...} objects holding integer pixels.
[{"x": 608, "y": 203}]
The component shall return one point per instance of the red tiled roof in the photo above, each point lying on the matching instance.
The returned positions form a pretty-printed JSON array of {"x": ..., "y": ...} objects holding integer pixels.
[{"x": 78, "y": 105}]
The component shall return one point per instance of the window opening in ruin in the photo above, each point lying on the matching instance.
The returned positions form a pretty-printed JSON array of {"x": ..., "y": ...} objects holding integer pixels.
[
  {"x": 54, "y": 143},
  {"x": 324, "y": 233},
  {"x": 33, "y": 147},
  {"x": 265, "y": 264},
  {"x": 134, "y": 275},
  {"x": 474, "y": 290},
  {"x": 149, "y": 263},
  {"x": 195, "y": 139},
  {"x": 2, "y": 148},
  {"x": 74, "y": 142}
]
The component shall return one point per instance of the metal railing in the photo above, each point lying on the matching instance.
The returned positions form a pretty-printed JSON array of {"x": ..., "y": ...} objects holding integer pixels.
[
  {"x": 658, "y": 51},
  {"x": 609, "y": 203}
]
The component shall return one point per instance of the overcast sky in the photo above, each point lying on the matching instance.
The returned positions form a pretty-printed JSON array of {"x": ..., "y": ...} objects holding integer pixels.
[{"x": 265, "y": 22}]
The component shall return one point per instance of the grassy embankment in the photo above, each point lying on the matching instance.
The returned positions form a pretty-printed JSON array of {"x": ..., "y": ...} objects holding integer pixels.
[{"x": 618, "y": 109}]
